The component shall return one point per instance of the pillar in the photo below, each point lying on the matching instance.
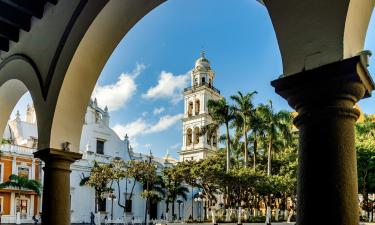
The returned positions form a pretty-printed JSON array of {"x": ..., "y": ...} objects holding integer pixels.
[
  {"x": 56, "y": 189},
  {"x": 33, "y": 169},
  {"x": 327, "y": 172}
]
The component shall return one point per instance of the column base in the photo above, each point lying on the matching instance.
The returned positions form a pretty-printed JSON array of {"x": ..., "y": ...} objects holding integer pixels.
[{"x": 56, "y": 187}]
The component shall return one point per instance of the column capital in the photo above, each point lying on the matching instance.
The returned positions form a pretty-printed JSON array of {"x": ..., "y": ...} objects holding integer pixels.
[
  {"x": 49, "y": 154},
  {"x": 332, "y": 89},
  {"x": 57, "y": 159}
]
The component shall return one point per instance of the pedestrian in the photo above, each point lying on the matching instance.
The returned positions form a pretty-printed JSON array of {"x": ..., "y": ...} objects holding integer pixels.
[
  {"x": 35, "y": 220},
  {"x": 92, "y": 219},
  {"x": 291, "y": 212}
]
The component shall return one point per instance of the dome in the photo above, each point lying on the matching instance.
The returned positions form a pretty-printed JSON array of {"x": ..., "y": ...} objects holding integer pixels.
[{"x": 202, "y": 63}]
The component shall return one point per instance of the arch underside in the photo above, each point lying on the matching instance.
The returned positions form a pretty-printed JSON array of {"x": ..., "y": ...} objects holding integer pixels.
[{"x": 72, "y": 59}]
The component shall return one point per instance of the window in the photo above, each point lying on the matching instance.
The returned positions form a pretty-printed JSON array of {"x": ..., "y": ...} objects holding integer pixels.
[
  {"x": 208, "y": 139},
  {"x": 189, "y": 138},
  {"x": 203, "y": 80},
  {"x": 128, "y": 207},
  {"x": 1, "y": 173},
  {"x": 197, "y": 107},
  {"x": 214, "y": 140},
  {"x": 98, "y": 117},
  {"x": 23, "y": 171},
  {"x": 190, "y": 109},
  {"x": 196, "y": 135},
  {"x": 100, "y": 147},
  {"x": 2, "y": 204}
]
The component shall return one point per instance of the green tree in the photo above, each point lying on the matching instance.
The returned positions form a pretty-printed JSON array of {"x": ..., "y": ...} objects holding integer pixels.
[
  {"x": 174, "y": 188},
  {"x": 222, "y": 114},
  {"x": 277, "y": 127},
  {"x": 244, "y": 111},
  {"x": 100, "y": 178},
  {"x": 365, "y": 146},
  {"x": 257, "y": 132},
  {"x": 120, "y": 172},
  {"x": 22, "y": 183}
]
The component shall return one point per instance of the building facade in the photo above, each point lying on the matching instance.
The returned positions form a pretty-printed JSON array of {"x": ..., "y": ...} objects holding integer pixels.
[
  {"x": 98, "y": 143},
  {"x": 198, "y": 144}
]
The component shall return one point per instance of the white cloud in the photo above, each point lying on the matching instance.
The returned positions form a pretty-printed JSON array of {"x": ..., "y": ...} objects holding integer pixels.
[
  {"x": 133, "y": 129},
  {"x": 118, "y": 94},
  {"x": 175, "y": 146},
  {"x": 141, "y": 127},
  {"x": 158, "y": 111},
  {"x": 164, "y": 123},
  {"x": 169, "y": 87}
]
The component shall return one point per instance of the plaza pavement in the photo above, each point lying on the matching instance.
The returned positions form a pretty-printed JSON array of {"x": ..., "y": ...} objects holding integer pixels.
[{"x": 292, "y": 223}]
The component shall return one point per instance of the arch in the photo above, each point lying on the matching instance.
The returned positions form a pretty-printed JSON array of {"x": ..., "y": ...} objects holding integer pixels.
[
  {"x": 18, "y": 75},
  {"x": 196, "y": 135},
  {"x": 197, "y": 107},
  {"x": 87, "y": 63},
  {"x": 10, "y": 93},
  {"x": 337, "y": 33},
  {"x": 214, "y": 139},
  {"x": 209, "y": 139},
  {"x": 189, "y": 137},
  {"x": 190, "y": 108}
]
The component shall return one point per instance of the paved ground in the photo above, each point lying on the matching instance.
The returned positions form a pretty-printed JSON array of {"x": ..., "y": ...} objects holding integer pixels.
[{"x": 200, "y": 223}]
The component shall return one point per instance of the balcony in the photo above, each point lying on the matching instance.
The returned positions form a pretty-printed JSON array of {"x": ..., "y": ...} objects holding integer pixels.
[
  {"x": 17, "y": 149},
  {"x": 202, "y": 85}
]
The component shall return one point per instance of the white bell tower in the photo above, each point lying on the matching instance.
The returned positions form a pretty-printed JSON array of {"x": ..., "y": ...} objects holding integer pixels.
[{"x": 196, "y": 146}]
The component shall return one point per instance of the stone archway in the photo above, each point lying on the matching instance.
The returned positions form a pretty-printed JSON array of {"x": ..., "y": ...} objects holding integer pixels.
[{"x": 319, "y": 42}]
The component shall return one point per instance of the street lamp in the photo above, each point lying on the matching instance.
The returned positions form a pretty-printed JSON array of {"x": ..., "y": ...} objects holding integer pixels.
[
  {"x": 199, "y": 201},
  {"x": 112, "y": 197},
  {"x": 179, "y": 201}
]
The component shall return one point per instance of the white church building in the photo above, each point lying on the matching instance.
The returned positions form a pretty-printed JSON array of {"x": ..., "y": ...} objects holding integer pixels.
[{"x": 100, "y": 143}]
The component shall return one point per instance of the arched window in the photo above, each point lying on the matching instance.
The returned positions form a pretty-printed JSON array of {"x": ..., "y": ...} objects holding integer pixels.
[
  {"x": 197, "y": 107},
  {"x": 196, "y": 135},
  {"x": 190, "y": 109},
  {"x": 214, "y": 139},
  {"x": 209, "y": 138},
  {"x": 189, "y": 137}
]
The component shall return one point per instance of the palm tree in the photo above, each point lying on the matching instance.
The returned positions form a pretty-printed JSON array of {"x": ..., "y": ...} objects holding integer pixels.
[
  {"x": 257, "y": 132},
  {"x": 277, "y": 125},
  {"x": 174, "y": 191},
  {"x": 22, "y": 183},
  {"x": 244, "y": 110},
  {"x": 222, "y": 114}
]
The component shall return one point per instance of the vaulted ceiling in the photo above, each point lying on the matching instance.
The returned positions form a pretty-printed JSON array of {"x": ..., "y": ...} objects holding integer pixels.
[{"x": 16, "y": 15}]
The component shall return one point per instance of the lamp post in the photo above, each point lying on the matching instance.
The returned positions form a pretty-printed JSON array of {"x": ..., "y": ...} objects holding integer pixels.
[
  {"x": 147, "y": 184},
  {"x": 179, "y": 201},
  {"x": 199, "y": 201},
  {"x": 112, "y": 197}
]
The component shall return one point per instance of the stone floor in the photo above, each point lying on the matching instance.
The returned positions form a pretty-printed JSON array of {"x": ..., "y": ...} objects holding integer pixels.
[{"x": 197, "y": 223}]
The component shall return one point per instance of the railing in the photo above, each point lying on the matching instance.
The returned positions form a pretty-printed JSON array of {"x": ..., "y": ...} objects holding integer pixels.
[
  {"x": 17, "y": 149},
  {"x": 201, "y": 85}
]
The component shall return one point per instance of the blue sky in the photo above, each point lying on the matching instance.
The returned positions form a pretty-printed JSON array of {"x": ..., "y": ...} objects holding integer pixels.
[{"x": 142, "y": 81}]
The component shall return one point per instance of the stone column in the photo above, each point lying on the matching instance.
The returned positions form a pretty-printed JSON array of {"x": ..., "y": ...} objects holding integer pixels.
[
  {"x": 56, "y": 189},
  {"x": 327, "y": 171}
]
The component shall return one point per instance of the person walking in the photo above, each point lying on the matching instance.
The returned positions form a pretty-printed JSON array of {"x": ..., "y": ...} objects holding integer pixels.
[
  {"x": 35, "y": 220},
  {"x": 92, "y": 219}
]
